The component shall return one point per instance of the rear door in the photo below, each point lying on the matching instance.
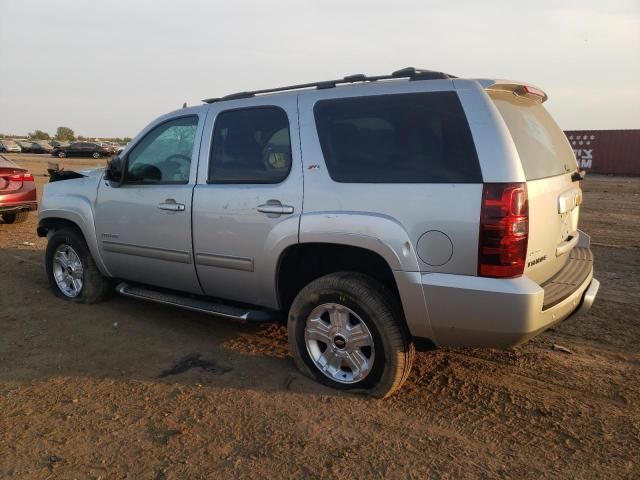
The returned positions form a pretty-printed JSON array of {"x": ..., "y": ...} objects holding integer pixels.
[
  {"x": 248, "y": 200},
  {"x": 74, "y": 149},
  {"x": 554, "y": 194},
  {"x": 86, "y": 149}
]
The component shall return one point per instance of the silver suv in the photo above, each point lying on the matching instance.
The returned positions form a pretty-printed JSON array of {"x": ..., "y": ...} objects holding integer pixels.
[{"x": 373, "y": 215}]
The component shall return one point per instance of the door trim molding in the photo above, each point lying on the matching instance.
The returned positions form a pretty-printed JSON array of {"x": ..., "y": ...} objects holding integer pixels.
[
  {"x": 146, "y": 251},
  {"x": 225, "y": 261}
]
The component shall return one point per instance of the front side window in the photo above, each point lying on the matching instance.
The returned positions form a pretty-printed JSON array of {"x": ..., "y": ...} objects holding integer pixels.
[
  {"x": 398, "y": 138},
  {"x": 250, "y": 145},
  {"x": 164, "y": 154}
]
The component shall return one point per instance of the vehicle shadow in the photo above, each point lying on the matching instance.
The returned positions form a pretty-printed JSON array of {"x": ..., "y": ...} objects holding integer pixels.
[{"x": 44, "y": 336}]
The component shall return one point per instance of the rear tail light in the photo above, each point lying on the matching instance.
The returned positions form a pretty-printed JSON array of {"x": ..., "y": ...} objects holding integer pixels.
[
  {"x": 20, "y": 177},
  {"x": 14, "y": 181},
  {"x": 504, "y": 230}
]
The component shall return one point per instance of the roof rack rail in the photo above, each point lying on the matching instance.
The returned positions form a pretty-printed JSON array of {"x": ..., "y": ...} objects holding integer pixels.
[{"x": 411, "y": 73}]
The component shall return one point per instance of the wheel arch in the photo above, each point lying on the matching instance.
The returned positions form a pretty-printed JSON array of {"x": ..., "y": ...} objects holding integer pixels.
[
  {"x": 302, "y": 263},
  {"x": 52, "y": 220},
  {"x": 378, "y": 233},
  {"x": 378, "y": 238}
]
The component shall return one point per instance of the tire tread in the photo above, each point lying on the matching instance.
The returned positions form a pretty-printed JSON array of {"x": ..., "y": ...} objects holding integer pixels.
[{"x": 389, "y": 320}]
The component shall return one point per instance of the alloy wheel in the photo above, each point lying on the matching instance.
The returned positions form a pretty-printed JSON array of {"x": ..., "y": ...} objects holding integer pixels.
[
  {"x": 339, "y": 343},
  {"x": 68, "y": 270}
]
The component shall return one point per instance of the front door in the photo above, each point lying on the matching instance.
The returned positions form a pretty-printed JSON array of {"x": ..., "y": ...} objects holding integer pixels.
[
  {"x": 248, "y": 200},
  {"x": 144, "y": 226}
]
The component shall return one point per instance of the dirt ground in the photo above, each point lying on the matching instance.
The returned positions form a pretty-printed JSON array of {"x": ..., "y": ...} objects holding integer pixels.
[{"x": 85, "y": 391}]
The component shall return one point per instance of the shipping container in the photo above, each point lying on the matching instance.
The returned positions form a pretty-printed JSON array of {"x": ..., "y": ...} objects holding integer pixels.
[{"x": 606, "y": 151}]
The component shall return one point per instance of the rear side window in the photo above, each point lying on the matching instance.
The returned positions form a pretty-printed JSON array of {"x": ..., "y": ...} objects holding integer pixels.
[
  {"x": 400, "y": 138},
  {"x": 542, "y": 147},
  {"x": 251, "y": 145}
]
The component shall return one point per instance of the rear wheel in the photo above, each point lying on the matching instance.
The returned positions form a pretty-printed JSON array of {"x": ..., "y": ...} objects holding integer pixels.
[
  {"x": 17, "y": 217},
  {"x": 71, "y": 271},
  {"x": 346, "y": 330},
  {"x": 95, "y": 155}
]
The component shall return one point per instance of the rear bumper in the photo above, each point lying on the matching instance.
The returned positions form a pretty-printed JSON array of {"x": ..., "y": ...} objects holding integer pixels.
[
  {"x": 16, "y": 207},
  {"x": 23, "y": 199},
  {"x": 588, "y": 297},
  {"x": 471, "y": 311},
  {"x": 487, "y": 312}
]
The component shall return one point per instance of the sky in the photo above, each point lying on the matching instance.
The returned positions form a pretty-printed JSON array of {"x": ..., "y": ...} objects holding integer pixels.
[{"x": 109, "y": 68}]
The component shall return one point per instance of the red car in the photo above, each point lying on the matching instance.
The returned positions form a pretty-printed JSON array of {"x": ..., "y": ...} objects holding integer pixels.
[{"x": 17, "y": 192}]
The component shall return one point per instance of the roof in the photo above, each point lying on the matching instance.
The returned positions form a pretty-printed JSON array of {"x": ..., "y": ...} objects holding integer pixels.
[{"x": 410, "y": 73}]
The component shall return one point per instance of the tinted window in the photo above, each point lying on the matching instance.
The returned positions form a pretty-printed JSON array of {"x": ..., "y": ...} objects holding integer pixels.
[
  {"x": 251, "y": 145},
  {"x": 403, "y": 138},
  {"x": 542, "y": 147},
  {"x": 164, "y": 154}
]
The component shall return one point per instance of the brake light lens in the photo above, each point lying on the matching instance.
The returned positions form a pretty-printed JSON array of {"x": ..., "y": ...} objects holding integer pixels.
[
  {"x": 14, "y": 181},
  {"x": 504, "y": 230},
  {"x": 25, "y": 177},
  {"x": 530, "y": 92}
]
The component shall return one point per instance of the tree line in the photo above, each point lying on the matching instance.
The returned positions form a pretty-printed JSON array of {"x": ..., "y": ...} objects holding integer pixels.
[{"x": 66, "y": 134}]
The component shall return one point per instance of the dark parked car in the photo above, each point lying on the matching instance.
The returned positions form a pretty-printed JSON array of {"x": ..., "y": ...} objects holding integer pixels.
[
  {"x": 82, "y": 149},
  {"x": 25, "y": 146},
  {"x": 40, "y": 147},
  {"x": 17, "y": 192}
]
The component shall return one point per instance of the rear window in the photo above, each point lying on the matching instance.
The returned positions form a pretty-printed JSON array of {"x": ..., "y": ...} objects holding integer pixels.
[
  {"x": 543, "y": 148},
  {"x": 401, "y": 138}
]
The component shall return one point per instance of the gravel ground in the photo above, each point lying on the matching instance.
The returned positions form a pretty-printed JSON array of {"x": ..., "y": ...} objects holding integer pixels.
[{"x": 87, "y": 391}]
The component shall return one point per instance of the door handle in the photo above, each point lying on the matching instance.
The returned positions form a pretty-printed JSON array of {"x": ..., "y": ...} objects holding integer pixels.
[
  {"x": 171, "y": 205},
  {"x": 275, "y": 207}
]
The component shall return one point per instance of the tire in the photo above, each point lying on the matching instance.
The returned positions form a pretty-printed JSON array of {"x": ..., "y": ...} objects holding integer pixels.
[
  {"x": 61, "y": 154},
  {"x": 95, "y": 155},
  {"x": 94, "y": 286},
  {"x": 386, "y": 364},
  {"x": 17, "y": 217}
]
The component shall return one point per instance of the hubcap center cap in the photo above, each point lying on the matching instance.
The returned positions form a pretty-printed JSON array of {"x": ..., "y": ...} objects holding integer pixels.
[{"x": 339, "y": 342}]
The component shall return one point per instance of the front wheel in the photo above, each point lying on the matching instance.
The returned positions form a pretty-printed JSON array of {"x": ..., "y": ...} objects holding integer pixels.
[
  {"x": 71, "y": 271},
  {"x": 95, "y": 155},
  {"x": 61, "y": 154},
  {"x": 347, "y": 331}
]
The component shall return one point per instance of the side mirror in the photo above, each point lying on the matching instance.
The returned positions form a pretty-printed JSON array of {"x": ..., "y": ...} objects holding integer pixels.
[{"x": 115, "y": 171}]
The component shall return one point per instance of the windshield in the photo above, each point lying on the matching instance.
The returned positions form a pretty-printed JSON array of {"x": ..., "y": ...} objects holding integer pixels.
[{"x": 542, "y": 146}]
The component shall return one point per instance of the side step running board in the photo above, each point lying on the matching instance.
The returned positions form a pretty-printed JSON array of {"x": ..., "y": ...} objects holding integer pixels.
[{"x": 195, "y": 304}]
